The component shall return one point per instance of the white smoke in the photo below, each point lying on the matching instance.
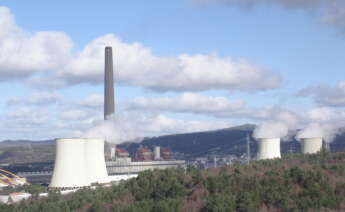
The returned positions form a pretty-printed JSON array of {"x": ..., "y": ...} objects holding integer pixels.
[
  {"x": 135, "y": 126},
  {"x": 271, "y": 129},
  {"x": 316, "y": 130},
  {"x": 115, "y": 130}
]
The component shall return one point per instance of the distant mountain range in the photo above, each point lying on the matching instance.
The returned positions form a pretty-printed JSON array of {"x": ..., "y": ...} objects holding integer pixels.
[{"x": 190, "y": 145}]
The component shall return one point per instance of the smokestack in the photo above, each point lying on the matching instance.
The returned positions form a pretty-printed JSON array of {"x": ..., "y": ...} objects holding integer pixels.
[{"x": 109, "y": 107}]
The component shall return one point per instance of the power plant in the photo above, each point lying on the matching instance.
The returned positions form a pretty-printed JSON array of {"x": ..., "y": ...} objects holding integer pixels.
[
  {"x": 80, "y": 162},
  {"x": 311, "y": 145},
  {"x": 269, "y": 148}
]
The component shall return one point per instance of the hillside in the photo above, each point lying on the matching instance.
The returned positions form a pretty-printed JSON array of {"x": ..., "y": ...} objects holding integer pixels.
[
  {"x": 294, "y": 183},
  {"x": 223, "y": 141}
]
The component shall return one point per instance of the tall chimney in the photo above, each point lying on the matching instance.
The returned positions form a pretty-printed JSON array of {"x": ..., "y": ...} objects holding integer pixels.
[{"x": 109, "y": 107}]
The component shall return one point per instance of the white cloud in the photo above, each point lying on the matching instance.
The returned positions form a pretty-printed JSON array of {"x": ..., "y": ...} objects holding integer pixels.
[
  {"x": 330, "y": 11},
  {"x": 188, "y": 102},
  {"x": 36, "y": 98},
  {"x": 93, "y": 101},
  {"x": 136, "y": 65},
  {"x": 217, "y": 106},
  {"x": 251, "y": 3},
  {"x": 46, "y": 59},
  {"x": 26, "y": 117},
  {"x": 326, "y": 95},
  {"x": 23, "y": 54},
  {"x": 75, "y": 115}
]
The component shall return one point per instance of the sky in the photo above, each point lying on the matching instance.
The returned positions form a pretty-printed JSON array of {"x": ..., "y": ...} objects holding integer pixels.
[{"x": 180, "y": 66}]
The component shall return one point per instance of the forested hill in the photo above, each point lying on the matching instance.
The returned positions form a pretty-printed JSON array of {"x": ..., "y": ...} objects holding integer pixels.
[
  {"x": 223, "y": 141},
  {"x": 294, "y": 183}
]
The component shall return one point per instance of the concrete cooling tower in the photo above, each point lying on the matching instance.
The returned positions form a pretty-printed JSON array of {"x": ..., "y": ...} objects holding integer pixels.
[
  {"x": 311, "y": 145},
  {"x": 269, "y": 148},
  {"x": 96, "y": 168},
  {"x": 70, "y": 164},
  {"x": 79, "y": 163}
]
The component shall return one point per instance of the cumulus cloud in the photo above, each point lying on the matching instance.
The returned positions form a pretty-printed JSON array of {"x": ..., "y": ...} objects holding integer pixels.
[
  {"x": 48, "y": 57},
  {"x": 137, "y": 66},
  {"x": 188, "y": 102},
  {"x": 23, "y": 54},
  {"x": 25, "y": 117},
  {"x": 37, "y": 98},
  {"x": 93, "y": 101},
  {"x": 217, "y": 106},
  {"x": 330, "y": 11},
  {"x": 326, "y": 95},
  {"x": 75, "y": 115}
]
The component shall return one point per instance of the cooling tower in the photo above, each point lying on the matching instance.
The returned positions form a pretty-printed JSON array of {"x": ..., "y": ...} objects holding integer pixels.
[
  {"x": 96, "y": 169},
  {"x": 70, "y": 166},
  {"x": 311, "y": 145},
  {"x": 109, "y": 107},
  {"x": 269, "y": 148}
]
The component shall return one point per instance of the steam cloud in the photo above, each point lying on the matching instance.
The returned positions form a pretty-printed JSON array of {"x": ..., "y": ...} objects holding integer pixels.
[
  {"x": 271, "y": 129},
  {"x": 115, "y": 130},
  {"x": 315, "y": 130}
]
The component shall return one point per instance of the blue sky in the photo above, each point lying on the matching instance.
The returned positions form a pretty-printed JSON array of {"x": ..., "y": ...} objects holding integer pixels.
[{"x": 189, "y": 65}]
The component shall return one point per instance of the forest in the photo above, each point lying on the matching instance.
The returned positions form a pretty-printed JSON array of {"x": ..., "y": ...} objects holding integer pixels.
[{"x": 294, "y": 183}]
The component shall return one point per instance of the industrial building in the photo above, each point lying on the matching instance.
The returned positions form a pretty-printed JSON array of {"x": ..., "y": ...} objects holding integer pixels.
[{"x": 145, "y": 159}]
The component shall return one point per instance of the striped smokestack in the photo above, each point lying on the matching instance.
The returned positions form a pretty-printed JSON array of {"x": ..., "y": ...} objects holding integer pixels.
[{"x": 109, "y": 107}]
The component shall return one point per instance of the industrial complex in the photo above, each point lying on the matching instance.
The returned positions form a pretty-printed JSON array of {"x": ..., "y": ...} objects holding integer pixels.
[{"x": 80, "y": 162}]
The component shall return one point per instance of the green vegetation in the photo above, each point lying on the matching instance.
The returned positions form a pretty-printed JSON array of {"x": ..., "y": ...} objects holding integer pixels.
[
  {"x": 294, "y": 183},
  {"x": 33, "y": 189},
  {"x": 27, "y": 153}
]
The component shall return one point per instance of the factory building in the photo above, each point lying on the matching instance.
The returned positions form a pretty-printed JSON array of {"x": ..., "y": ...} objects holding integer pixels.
[
  {"x": 145, "y": 159},
  {"x": 144, "y": 154},
  {"x": 119, "y": 167},
  {"x": 121, "y": 153},
  {"x": 269, "y": 148}
]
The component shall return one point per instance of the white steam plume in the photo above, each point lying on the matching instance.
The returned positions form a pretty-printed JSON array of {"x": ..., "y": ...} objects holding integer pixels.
[
  {"x": 115, "y": 130},
  {"x": 315, "y": 130},
  {"x": 271, "y": 129}
]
